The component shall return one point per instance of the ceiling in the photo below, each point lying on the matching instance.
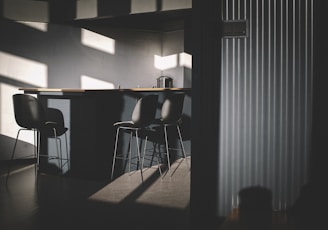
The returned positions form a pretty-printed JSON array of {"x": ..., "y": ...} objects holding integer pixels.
[
  {"x": 156, "y": 21},
  {"x": 114, "y": 13}
]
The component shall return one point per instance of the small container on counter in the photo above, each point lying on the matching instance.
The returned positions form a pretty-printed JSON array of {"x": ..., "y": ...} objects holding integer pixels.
[{"x": 164, "y": 82}]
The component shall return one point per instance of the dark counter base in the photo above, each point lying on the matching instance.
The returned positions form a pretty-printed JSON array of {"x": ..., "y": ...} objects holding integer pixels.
[{"x": 91, "y": 132}]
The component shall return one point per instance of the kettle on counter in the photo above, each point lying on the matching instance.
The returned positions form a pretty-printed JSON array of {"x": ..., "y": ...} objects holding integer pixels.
[{"x": 164, "y": 82}]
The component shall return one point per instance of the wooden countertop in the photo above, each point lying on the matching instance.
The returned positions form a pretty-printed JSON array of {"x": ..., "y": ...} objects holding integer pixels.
[{"x": 76, "y": 90}]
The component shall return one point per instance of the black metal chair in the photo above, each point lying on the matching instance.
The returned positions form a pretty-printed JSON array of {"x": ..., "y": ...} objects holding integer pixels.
[
  {"x": 55, "y": 128},
  {"x": 143, "y": 114},
  {"x": 30, "y": 115},
  {"x": 171, "y": 116}
]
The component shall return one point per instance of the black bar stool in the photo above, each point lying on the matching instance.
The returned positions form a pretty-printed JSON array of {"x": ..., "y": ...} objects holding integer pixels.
[
  {"x": 143, "y": 114},
  {"x": 171, "y": 116},
  {"x": 30, "y": 115}
]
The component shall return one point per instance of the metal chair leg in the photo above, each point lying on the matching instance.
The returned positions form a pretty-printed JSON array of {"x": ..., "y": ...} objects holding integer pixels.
[
  {"x": 115, "y": 152},
  {"x": 167, "y": 149},
  {"x": 181, "y": 142},
  {"x": 139, "y": 156},
  {"x": 36, "y": 151},
  {"x": 68, "y": 162},
  {"x": 144, "y": 153},
  {"x": 59, "y": 154},
  {"x": 130, "y": 151},
  {"x": 12, "y": 156}
]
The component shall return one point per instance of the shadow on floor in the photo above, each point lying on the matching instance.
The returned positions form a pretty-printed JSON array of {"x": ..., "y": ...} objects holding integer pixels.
[{"x": 64, "y": 203}]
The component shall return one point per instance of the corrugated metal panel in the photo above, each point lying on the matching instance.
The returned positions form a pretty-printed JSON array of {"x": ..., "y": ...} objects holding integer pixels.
[{"x": 266, "y": 100}]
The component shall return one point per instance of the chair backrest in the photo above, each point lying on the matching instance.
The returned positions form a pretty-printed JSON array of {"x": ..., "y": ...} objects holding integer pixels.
[
  {"x": 54, "y": 119},
  {"x": 145, "y": 110},
  {"x": 172, "y": 108},
  {"x": 28, "y": 111},
  {"x": 55, "y": 115}
]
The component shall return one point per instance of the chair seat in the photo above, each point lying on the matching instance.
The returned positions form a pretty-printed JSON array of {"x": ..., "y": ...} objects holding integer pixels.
[
  {"x": 125, "y": 124},
  {"x": 50, "y": 126},
  {"x": 161, "y": 121}
]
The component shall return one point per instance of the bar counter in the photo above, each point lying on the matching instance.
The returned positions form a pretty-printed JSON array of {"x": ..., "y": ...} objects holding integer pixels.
[
  {"x": 90, "y": 114},
  {"x": 76, "y": 90}
]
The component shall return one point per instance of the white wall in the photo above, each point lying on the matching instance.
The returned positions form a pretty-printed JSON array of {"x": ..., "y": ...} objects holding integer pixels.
[{"x": 66, "y": 59}]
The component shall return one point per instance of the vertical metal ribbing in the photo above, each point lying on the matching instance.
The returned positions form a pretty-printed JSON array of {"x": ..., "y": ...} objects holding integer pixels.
[
  {"x": 244, "y": 147},
  {"x": 223, "y": 136},
  {"x": 266, "y": 99}
]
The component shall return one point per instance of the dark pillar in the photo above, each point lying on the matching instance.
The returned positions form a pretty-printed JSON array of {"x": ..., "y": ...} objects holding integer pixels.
[{"x": 206, "y": 80}]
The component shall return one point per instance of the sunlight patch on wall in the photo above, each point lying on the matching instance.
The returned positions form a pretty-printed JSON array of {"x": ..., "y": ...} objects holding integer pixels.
[
  {"x": 185, "y": 60},
  {"x": 36, "y": 25},
  {"x": 26, "y": 10},
  {"x": 97, "y": 41},
  {"x": 8, "y": 125},
  {"x": 143, "y": 6},
  {"x": 23, "y": 70},
  {"x": 167, "y": 62},
  {"x": 86, "y": 9},
  {"x": 94, "y": 83},
  {"x": 175, "y": 5}
]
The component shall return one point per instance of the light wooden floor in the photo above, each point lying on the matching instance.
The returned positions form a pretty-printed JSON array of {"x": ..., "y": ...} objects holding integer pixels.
[{"x": 124, "y": 203}]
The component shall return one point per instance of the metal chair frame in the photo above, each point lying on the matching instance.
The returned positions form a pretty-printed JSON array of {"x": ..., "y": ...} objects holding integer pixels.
[
  {"x": 171, "y": 114},
  {"x": 143, "y": 114},
  {"x": 37, "y": 138}
]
